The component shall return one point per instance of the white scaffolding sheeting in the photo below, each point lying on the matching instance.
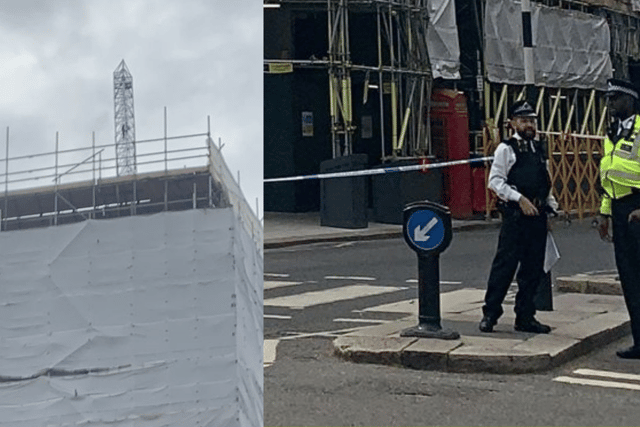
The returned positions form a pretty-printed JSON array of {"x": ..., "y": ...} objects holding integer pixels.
[
  {"x": 442, "y": 39},
  {"x": 220, "y": 171},
  {"x": 571, "y": 48},
  {"x": 144, "y": 320}
]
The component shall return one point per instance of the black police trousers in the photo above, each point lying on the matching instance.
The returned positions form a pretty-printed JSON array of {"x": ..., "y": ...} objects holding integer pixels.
[
  {"x": 522, "y": 242},
  {"x": 626, "y": 242}
]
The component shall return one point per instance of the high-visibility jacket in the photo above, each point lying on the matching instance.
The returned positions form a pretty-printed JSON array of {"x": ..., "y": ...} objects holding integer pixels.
[{"x": 620, "y": 167}]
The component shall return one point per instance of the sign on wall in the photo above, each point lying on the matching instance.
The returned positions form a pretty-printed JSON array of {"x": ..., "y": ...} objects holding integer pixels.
[{"x": 307, "y": 123}]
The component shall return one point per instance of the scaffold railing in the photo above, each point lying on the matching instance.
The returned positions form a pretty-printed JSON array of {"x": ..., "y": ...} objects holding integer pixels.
[
  {"x": 94, "y": 163},
  {"x": 96, "y": 166}
]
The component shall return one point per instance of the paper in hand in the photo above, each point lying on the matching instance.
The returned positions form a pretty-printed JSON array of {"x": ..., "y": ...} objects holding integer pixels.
[{"x": 551, "y": 254}]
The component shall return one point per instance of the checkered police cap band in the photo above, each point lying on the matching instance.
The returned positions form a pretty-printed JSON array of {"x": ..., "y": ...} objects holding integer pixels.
[
  {"x": 523, "y": 110},
  {"x": 617, "y": 88}
]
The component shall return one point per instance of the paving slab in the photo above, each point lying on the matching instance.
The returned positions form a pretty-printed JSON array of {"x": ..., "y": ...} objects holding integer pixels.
[
  {"x": 367, "y": 349},
  {"x": 461, "y": 300},
  {"x": 557, "y": 318},
  {"x": 607, "y": 299},
  {"x": 472, "y": 316},
  {"x": 602, "y": 283},
  {"x": 592, "y": 327},
  {"x": 588, "y": 302},
  {"x": 486, "y": 343},
  {"x": 508, "y": 361},
  {"x": 406, "y": 306},
  {"x": 559, "y": 348},
  {"x": 386, "y": 329},
  {"x": 429, "y": 354}
]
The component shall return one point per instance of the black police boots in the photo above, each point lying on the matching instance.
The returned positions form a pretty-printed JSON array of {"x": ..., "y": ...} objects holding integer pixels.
[
  {"x": 531, "y": 325},
  {"x": 629, "y": 353},
  {"x": 487, "y": 324}
]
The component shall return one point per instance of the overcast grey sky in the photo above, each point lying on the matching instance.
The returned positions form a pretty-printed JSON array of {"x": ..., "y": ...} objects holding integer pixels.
[{"x": 196, "y": 57}]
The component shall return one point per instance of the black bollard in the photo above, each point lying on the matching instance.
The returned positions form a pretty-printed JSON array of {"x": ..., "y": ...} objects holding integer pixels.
[
  {"x": 429, "y": 290},
  {"x": 427, "y": 230}
]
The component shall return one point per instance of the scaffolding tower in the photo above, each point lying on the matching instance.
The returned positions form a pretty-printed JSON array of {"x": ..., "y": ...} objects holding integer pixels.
[{"x": 125, "y": 127}]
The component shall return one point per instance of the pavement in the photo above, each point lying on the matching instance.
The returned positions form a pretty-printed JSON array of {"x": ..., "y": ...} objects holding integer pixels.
[
  {"x": 588, "y": 313},
  {"x": 283, "y": 229}
]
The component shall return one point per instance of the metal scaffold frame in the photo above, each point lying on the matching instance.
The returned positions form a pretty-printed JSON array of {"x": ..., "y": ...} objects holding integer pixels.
[
  {"x": 573, "y": 121},
  {"x": 403, "y": 73},
  {"x": 70, "y": 185}
]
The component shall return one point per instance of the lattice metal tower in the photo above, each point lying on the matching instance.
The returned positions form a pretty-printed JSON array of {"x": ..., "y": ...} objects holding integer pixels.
[{"x": 125, "y": 127}]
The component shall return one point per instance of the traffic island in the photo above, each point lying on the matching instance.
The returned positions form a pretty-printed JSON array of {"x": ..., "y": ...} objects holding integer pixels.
[{"x": 580, "y": 324}]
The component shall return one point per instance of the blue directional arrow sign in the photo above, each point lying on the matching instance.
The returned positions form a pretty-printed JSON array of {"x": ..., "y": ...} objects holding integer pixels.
[{"x": 425, "y": 230}]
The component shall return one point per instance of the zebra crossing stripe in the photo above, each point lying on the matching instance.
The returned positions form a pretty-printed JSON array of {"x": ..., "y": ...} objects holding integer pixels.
[
  {"x": 277, "y": 316},
  {"x": 269, "y": 352},
  {"x": 442, "y": 282},
  {"x": 309, "y": 299},
  {"x": 597, "y": 383},
  {"x": 272, "y": 284},
  {"x": 361, "y": 320},
  {"x": 328, "y": 334},
  {"x": 349, "y": 278},
  {"x": 607, "y": 374}
]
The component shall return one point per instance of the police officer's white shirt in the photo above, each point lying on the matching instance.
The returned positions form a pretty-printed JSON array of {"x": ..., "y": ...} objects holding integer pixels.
[{"x": 503, "y": 160}]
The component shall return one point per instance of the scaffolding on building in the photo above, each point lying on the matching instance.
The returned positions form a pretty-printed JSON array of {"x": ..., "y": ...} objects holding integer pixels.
[
  {"x": 573, "y": 121},
  {"x": 402, "y": 72},
  {"x": 71, "y": 185}
]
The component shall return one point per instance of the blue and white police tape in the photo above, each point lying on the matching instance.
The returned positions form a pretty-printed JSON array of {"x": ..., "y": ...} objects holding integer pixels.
[{"x": 378, "y": 171}]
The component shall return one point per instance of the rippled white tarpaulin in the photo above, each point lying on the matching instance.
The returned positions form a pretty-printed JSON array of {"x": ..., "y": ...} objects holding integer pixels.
[
  {"x": 570, "y": 48},
  {"x": 138, "y": 321},
  {"x": 442, "y": 39}
]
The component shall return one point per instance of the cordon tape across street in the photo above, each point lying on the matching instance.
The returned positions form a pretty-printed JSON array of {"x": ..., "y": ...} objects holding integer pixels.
[{"x": 379, "y": 170}]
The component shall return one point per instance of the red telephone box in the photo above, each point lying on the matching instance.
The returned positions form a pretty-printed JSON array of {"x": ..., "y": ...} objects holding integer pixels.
[
  {"x": 479, "y": 189},
  {"x": 450, "y": 141}
]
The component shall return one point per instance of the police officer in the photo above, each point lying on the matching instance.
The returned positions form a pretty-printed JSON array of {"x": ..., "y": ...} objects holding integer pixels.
[
  {"x": 620, "y": 208},
  {"x": 519, "y": 176}
]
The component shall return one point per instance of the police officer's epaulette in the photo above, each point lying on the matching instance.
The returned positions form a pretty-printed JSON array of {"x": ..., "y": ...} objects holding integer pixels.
[
  {"x": 542, "y": 146},
  {"x": 628, "y": 134}
]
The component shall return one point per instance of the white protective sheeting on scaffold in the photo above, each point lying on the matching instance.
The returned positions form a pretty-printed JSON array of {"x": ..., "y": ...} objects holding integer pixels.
[
  {"x": 146, "y": 320},
  {"x": 442, "y": 39},
  {"x": 570, "y": 48}
]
